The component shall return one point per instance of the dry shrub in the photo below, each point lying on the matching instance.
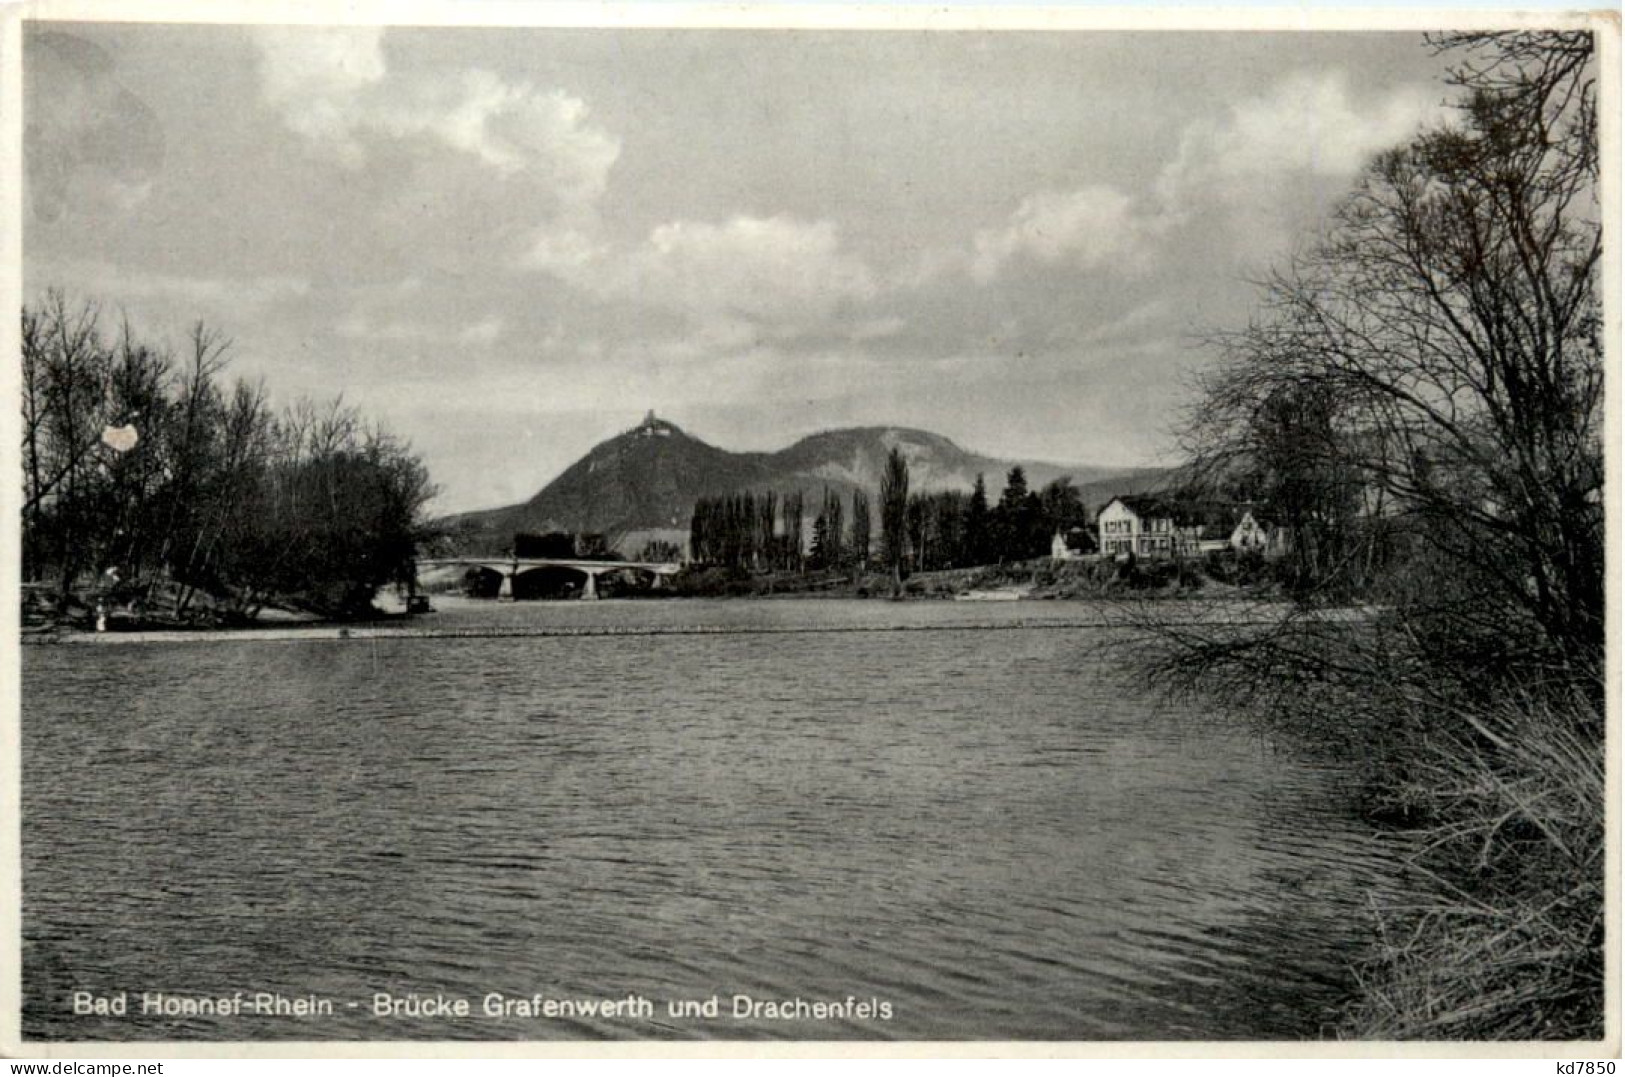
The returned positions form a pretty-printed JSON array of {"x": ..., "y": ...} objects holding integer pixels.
[{"x": 1500, "y": 934}]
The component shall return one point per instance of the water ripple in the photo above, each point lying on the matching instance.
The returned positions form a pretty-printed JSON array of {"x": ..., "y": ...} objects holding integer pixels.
[{"x": 987, "y": 830}]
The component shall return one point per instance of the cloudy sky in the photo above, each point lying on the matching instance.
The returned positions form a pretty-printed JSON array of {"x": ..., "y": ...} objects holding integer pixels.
[{"x": 508, "y": 244}]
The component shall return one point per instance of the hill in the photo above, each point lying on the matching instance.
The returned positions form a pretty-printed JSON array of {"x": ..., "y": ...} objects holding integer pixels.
[{"x": 642, "y": 484}]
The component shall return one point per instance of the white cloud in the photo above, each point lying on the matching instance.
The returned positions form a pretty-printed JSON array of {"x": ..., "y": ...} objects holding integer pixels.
[
  {"x": 333, "y": 86},
  {"x": 510, "y": 128},
  {"x": 774, "y": 267},
  {"x": 1146, "y": 316},
  {"x": 1308, "y": 124},
  {"x": 485, "y": 331},
  {"x": 312, "y": 75},
  {"x": 568, "y": 253},
  {"x": 389, "y": 317},
  {"x": 878, "y": 328},
  {"x": 772, "y": 274},
  {"x": 100, "y": 278},
  {"x": 319, "y": 61},
  {"x": 360, "y": 324},
  {"x": 1230, "y": 168},
  {"x": 1090, "y": 227}
]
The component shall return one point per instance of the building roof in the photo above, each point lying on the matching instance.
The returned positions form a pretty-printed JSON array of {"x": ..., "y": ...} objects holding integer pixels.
[
  {"x": 1213, "y": 517},
  {"x": 1141, "y": 505}
]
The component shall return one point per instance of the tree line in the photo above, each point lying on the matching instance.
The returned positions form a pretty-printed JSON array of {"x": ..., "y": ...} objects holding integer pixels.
[
  {"x": 148, "y": 479},
  {"x": 747, "y": 530},
  {"x": 918, "y": 531},
  {"x": 954, "y": 529}
]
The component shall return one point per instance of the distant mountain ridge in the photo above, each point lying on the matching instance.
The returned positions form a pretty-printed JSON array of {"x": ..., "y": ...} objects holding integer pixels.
[{"x": 642, "y": 484}]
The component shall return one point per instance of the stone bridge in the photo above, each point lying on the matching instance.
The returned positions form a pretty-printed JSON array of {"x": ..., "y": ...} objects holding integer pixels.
[{"x": 510, "y": 568}]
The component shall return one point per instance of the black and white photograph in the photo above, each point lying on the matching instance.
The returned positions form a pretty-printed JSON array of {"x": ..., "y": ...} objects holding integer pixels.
[{"x": 885, "y": 527}]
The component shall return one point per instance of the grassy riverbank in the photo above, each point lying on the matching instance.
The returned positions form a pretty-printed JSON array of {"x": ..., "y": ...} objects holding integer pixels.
[
  {"x": 1502, "y": 934},
  {"x": 1492, "y": 794}
]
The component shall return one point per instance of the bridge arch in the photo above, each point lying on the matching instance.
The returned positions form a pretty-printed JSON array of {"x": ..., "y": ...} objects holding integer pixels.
[
  {"x": 482, "y": 581},
  {"x": 550, "y": 581},
  {"x": 509, "y": 577},
  {"x": 629, "y": 579}
]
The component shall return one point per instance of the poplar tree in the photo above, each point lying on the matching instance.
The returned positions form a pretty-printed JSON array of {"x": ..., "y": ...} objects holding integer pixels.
[
  {"x": 894, "y": 516},
  {"x": 860, "y": 528}
]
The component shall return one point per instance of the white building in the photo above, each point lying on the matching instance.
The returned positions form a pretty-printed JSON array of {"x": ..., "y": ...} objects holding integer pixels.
[
  {"x": 1150, "y": 527},
  {"x": 1138, "y": 525},
  {"x": 1071, "y": 545},
  {"x": 1234, "y": 529}
]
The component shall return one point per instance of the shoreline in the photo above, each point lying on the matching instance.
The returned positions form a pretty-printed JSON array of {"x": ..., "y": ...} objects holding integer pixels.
[
  {"x": 1221, "y": 614},
  {"x": 370, "y": 632},
  {"x": 1002, "y": 585}
]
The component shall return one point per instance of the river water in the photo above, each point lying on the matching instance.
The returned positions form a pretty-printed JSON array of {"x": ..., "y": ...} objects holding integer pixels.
[{"x": 987, "y": 831}]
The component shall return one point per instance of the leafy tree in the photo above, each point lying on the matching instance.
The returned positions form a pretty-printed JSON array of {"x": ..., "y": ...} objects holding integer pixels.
[
  {"x": 1061, "y": 506},
  {"x": 948, "y": 528},
  {"x": 660, "y": 551},
  {"x": 978, "y": 525},
  {"x": 860, "y": 527},
  {"x": 1017, "y": 521},
  {"x": 765, "y": 539},
  {"x": 593, "y": 546},
  {"x": 894, "y": 515},
  {"x": 819, "y": 554},
  {"x": 742, "y": 531},
  {"x": 936, "y": 530},
  {"x": 702, "y": 531},
  {"x": 794, "y": 524},
  {"x": 828, "y": 549},
  {"x": 921, "y": 542},
  {"x": 834, "y": 529}
]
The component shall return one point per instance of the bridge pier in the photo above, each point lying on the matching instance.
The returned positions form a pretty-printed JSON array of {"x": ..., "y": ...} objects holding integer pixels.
[
  {"x": 505, "y": 590},
  {"x": 590, "y": 591}
]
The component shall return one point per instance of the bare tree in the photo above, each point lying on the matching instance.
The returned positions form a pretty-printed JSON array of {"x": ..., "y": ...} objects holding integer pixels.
[
  {"x": 35, "y": 407},
  {"x": 143, "y": 480},
  {"x": 1450, "y": 327}
]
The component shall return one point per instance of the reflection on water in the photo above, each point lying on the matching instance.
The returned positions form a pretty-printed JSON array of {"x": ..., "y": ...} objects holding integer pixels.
[{"x": 984, "y": 829}]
